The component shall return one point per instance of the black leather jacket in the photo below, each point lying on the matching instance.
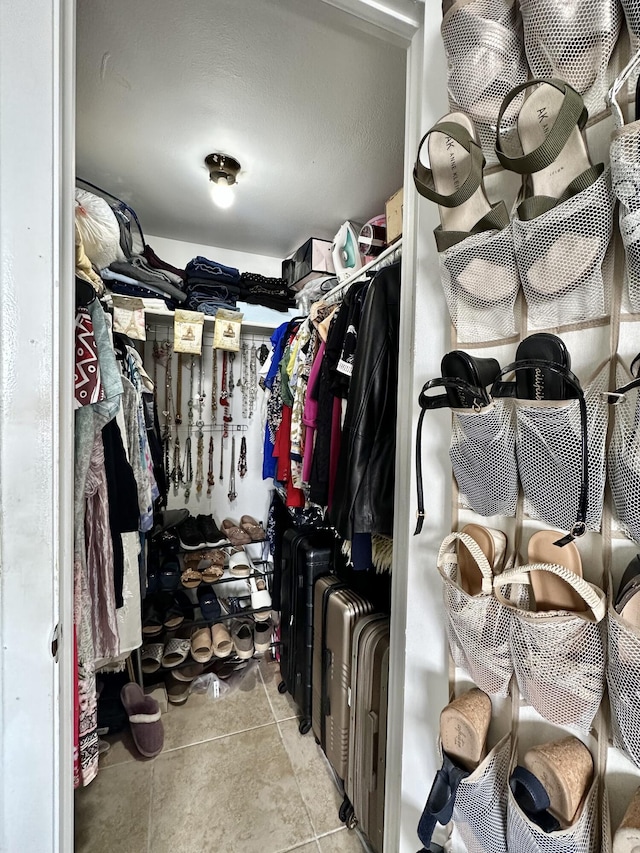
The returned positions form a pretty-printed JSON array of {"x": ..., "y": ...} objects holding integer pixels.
[{"x": 363, "y": 495}]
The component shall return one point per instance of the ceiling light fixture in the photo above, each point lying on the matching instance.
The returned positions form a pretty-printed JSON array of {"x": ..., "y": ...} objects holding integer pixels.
[{"x": 223, "y": 171}]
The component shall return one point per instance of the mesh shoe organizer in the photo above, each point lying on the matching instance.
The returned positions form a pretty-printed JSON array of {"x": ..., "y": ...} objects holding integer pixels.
[{"x": 522, "y": 465}]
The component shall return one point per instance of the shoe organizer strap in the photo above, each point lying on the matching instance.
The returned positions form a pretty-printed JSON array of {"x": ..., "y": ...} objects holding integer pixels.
[
  {"x": 439, "y": 401},
  {"x": 448, "y": 548},
  {"x": 571, "y": 114},
  {"x": 508, "y": 389},
  {"x": 423, "y": 176},
  {"x": 593, "y": 597}
]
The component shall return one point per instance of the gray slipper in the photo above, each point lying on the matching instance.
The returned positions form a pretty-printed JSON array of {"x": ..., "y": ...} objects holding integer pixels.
[{"x": 144, "y": 719}]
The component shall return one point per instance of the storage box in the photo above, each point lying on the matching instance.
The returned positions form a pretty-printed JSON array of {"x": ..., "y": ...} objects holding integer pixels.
[
  {"x": 311, "y": 260},
  {"x": 393, "y": 210}
]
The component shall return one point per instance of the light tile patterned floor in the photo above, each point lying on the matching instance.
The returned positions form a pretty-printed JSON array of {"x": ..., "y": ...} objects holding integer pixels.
[{"x": 235, "y": 776}]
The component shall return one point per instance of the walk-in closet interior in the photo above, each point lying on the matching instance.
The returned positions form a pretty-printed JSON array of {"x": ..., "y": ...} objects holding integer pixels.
[
  {"x": 348, "y": 477},
  {"x": 236, "y": 375}
]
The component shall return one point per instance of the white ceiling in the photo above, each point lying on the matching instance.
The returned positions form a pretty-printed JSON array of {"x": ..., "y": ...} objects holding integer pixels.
[{"x": 311, "y": 106}]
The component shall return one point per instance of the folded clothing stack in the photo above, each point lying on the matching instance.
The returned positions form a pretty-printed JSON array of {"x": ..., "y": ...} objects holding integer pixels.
[
  {"x": 273, "y": 293},
  {"x": 211, "y": 285},
  {"x": 138, "y": 277}
]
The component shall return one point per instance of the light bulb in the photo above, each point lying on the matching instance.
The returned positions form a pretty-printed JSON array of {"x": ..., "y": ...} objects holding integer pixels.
[{"x": 222, "y": 193}]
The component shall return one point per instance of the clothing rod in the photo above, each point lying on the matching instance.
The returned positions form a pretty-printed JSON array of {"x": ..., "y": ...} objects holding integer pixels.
[{"x": 384, "y": 259}]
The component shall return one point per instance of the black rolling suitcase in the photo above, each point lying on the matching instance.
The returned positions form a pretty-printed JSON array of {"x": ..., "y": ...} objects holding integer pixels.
[{"x": 305, "y": 556}]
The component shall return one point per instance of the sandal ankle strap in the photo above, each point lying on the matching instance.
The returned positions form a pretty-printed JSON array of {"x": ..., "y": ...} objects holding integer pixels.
[
  {"x": 423, "y": 176},
  {"x": 571, "y": 114}
]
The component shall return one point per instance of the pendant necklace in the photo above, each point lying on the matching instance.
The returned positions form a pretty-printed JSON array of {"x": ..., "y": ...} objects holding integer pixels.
[
  {"x": 232, "y": 472},
  {"x": 200, "y": 443},
  {"x": 214, "y": 388},
  {"x": 188, "y": 463},
  {"x": 210, "y": 480},
  {"x": 242, "y": 461}
]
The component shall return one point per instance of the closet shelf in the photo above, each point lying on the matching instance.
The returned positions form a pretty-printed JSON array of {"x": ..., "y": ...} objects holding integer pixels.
[{"x": 255, "y": 326}]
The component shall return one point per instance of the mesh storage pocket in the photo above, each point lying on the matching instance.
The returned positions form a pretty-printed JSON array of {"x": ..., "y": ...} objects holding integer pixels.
[
  {"x": 483, "y": 458},
  {"x": 524, "y": 836},
  {"x": 485, "y": 60},
  {"x": 559, "y": 256},
  {"x": 624, "y": 459},
  {"x": 478, "y": 629},
  {"x": 549, "y": 452},
  {"x": 625, "y": 178},
  {"x": 480, "y": 811},
  {"x": 573, "y": 41},
  {"x": 559, "y": 662},
  {"x": 480, "y": 283},
  {"x": 623, "y": 678}
]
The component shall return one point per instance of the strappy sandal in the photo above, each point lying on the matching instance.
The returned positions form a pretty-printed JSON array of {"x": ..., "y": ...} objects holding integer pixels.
[
  {"x": 474, "y": 239},
  {"x": 564, "y": 222},
  {"x": 252, "y": 528},
  {"x": 455, "y": 183},
  {"x": 215, "y": 570},
  {"x": 556, "y": 775},
  {"x": 554, "y": 155}
]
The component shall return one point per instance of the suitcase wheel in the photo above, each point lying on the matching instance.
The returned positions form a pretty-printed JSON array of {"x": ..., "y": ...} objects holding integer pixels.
[
  {"x": 282, "y": 687},
  {"x": 304, "y": 727},
  {"x": 345, "y": 810}
]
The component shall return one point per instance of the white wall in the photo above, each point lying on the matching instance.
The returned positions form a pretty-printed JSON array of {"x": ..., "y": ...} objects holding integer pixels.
[{"x": 253, "y": 492}]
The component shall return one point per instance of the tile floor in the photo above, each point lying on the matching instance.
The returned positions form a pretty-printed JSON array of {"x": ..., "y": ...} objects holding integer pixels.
[{"x": 235, "y": 776}]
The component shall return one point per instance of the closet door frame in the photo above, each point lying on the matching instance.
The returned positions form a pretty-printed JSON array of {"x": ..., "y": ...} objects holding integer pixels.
[
  {"x": 37, "y": 307},
  {"x": 37, "y": 167}
]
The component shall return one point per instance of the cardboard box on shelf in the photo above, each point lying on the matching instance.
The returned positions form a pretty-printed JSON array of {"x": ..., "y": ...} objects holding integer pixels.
[{"x": 393, "y": 211}]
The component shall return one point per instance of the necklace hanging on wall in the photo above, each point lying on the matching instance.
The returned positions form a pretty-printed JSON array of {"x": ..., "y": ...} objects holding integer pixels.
[
  {"x": 188, "y": 462},
  {"x": 210, "y": 480},
  {"x": 263, "y": 354},
  {"x": 200, "y": 442},
  {"x": 221, "y": 475},
  {"x": 224, "y": 399},
  {"x": 179, "y": 392},
  {"x": 253, "y": 380},
  {"x": 244, "y": 381},
  {"x": 176, "y": 475},
  {"x": 167, "y": 353},
  {"x": 242, "y": 461},
  {"x": 232, "y": 358},
  {"x": 214, "y": 387},
  {"x": 232, "y": 472}
]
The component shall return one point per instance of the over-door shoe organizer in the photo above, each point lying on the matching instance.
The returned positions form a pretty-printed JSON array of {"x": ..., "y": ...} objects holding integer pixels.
[
  {"x": 625, "y": 177},
  {"x": 624, "y": 454},
  {"x": 480, "y": 810},
  {"x": 623, "y": 679},
  {"x": 482, "y": 454},
  {"x": 478, "y": 627},
  {"x": 559, "y": 656},
  {"x": 480, "y": 282},
  {"x": 583, "y": 836},
  {"x": 559, "y": 256}
]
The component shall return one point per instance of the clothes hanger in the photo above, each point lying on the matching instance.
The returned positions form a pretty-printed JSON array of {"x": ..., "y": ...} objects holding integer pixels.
[{"x": 618, "y": 83}]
